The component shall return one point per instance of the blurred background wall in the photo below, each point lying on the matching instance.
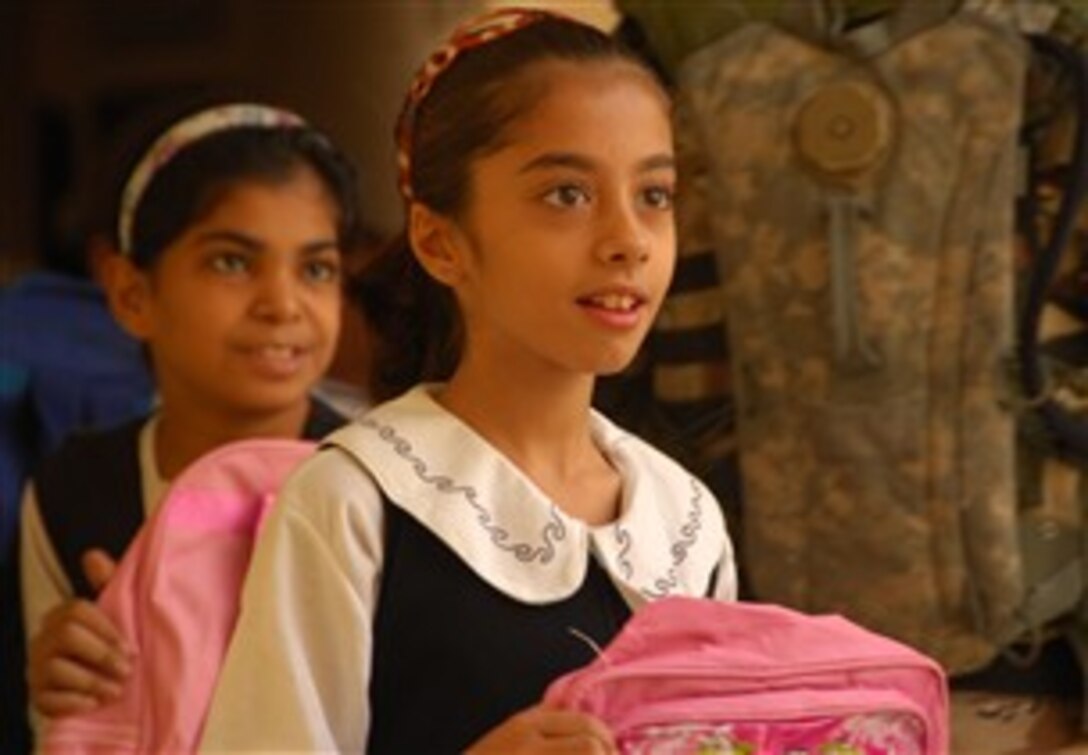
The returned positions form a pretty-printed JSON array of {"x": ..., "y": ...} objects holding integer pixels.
[{"x": 78, "y": 76}]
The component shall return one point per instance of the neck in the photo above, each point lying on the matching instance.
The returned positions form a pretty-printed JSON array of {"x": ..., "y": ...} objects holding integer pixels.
[
  {"x": 529, "y": 415},
  {"x": 541, "y": 423},
  {"x": 182, "y": 436}
]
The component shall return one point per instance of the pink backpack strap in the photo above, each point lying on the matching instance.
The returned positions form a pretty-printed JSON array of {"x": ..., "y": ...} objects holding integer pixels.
[{"x": 175, "y": 598}]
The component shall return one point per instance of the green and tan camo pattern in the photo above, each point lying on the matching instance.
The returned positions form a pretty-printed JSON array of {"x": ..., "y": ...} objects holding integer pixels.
[{"x": 883, "y": 489}]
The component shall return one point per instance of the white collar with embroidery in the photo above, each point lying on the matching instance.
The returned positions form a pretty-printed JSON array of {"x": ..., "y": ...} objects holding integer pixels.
[{"x": 668, "y": 539}]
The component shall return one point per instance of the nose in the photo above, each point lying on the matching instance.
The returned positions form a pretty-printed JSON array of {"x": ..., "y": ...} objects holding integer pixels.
[
  {"x": 626, "y": 240},
  {"x": 278, "y": 295}
]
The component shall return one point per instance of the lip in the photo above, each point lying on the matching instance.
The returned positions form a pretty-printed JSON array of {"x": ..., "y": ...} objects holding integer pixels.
[
  {"x": 617, "y": 307},
  {"x": 275, "y": 360}
]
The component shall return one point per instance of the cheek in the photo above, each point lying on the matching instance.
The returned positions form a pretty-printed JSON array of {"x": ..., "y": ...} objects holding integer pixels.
[
  {"x": 328, "y": 310},
  {"x": 175, "y": 314},
  {"x": 204, "y": 316},
  {"x": 664, "y": 255}
]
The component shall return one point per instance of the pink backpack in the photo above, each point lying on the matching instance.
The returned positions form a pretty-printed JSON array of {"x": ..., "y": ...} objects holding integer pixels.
[
  {"x": 689, "y": 675},
  {"x": 175, "y": 598}
]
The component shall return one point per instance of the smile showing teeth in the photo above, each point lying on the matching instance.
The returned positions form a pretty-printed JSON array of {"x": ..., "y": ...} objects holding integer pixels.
[
  {"x": 275, "y": 361},
  {"x": 615, "y": 302},
  {"x": 276, "y": 351}
]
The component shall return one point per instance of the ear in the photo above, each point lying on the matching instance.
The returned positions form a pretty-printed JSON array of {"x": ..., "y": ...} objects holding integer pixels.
[
  {"x": 128, "y": 290},
  {"x": 437, "y": 244},
  {"x": 99, "y": 251}
]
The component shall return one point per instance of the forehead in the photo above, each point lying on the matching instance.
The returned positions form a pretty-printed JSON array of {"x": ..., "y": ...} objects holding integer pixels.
[
  {"x": 568, "y": 101},
  {"x": 299, "y": 184}
]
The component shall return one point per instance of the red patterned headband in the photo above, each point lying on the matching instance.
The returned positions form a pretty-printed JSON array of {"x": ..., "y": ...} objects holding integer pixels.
[{"x": 472, "y": 33}]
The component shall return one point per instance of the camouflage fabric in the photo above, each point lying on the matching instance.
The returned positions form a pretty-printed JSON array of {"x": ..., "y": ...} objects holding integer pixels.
[
  {"x": 677, "y": 28},
  {"x": 869, "y": 300}
]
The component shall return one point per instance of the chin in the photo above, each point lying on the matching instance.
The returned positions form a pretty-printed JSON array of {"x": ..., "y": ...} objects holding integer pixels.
[
  {"x": 273, "y": 399},
  {"x": 614, "y": 365}
]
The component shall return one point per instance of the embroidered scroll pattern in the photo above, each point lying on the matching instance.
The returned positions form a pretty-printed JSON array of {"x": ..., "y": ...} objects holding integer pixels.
[
  {"x": 689, "y": 533},
  {"x": 552, "y": 533}
]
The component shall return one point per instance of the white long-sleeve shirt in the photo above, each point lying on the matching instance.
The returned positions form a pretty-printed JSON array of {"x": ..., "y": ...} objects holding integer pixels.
[{"x": 297, "y": 673}]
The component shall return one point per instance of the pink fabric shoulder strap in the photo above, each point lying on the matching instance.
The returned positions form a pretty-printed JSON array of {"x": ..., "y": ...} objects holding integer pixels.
[{"x": 175, "y": 598}]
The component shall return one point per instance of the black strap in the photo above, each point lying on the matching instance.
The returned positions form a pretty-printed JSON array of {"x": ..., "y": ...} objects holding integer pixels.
[
  {"x": 321, "y": 421},
  {"x": 712, "y": 587},
  {"x": 1067, "y": 433},
  {"x": 90, "y": 496}
]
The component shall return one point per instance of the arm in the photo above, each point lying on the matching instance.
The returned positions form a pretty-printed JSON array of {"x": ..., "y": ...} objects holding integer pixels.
[
  {"x": 297, "y": 672},
  {"x": 76, "y": 657}
]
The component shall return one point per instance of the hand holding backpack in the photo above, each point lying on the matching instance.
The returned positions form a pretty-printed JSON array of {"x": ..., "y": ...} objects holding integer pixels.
[{"x": 175, "y": 599}]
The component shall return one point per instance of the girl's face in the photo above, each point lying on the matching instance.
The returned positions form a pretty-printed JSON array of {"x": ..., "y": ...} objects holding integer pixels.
[
  {"x": 568, "y": 243},
  {"x": 241, "y": 312}
]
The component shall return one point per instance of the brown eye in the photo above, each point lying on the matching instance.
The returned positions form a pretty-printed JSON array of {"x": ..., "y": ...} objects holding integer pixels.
[
  {"x": 567, "y": 195},
  {"x": 321, "y": 271},
  {"x": 658, "y": 197},
  {"x": 229, "y": 263}
]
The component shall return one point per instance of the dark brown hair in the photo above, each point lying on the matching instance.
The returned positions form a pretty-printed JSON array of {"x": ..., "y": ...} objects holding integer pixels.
[{"x": 189, "y": 186}]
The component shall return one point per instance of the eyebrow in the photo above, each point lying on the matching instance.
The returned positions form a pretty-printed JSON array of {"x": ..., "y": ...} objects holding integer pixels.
[
  {"x": 582, "y": 163},
  {"x": 248, "y": 242}
]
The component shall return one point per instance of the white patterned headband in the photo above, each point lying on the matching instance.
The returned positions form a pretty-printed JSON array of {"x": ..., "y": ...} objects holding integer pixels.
[{"x": 182, "y": 134}]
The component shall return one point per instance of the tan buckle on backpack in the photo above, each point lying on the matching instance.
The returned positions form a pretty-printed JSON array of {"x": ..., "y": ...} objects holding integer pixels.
[{"x": 844, "y": 130}]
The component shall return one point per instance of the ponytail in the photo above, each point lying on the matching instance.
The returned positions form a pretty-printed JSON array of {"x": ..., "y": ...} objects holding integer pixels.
[{"x": 415, "y": 321}]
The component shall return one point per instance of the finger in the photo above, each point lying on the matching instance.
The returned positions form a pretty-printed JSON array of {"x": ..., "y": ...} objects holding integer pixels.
[
  {"x": 98, "y": 567},
  {"x": 569, "y": 731},
  {"x": 90, "y": 617},
  {"x": 63, "y": 675},
  {"x": 574, "y": 744},
  {"x": 558, "y": 723},
  {"x": 81, "y": 642},
  {"x": 56, "y": 704}
]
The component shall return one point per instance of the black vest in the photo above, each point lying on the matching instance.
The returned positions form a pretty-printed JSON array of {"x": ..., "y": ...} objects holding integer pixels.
[
  {"x": 90, "y": 496},
  {"x": 454, "y": 657}
]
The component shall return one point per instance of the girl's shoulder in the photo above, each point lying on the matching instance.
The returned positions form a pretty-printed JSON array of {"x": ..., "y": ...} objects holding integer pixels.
[
  {"x": 397, "y": 445},
  {"x": 333, "y": 500},
  {"x": 331, "y": 474}
]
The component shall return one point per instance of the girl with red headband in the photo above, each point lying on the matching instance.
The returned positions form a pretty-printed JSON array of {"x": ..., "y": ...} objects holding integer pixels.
[{"x": 425, "y": 576}]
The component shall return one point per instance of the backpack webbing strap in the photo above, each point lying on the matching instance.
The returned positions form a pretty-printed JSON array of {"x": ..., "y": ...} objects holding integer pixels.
[
  {"x": 89, "y": 496},
  {"x": 1068, "y": 433},
  {"x": 1077, "y": 631},
  {"x": 1077, "y": 634}
]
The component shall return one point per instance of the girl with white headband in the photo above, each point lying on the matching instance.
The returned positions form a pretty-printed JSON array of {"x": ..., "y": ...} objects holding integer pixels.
[
  {"x": 425, "y": 576},
  {"x": 230, "y": 236}
]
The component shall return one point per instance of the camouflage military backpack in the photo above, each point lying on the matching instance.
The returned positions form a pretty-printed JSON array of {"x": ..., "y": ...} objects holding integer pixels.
[{"x": 858, "y": 187}]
